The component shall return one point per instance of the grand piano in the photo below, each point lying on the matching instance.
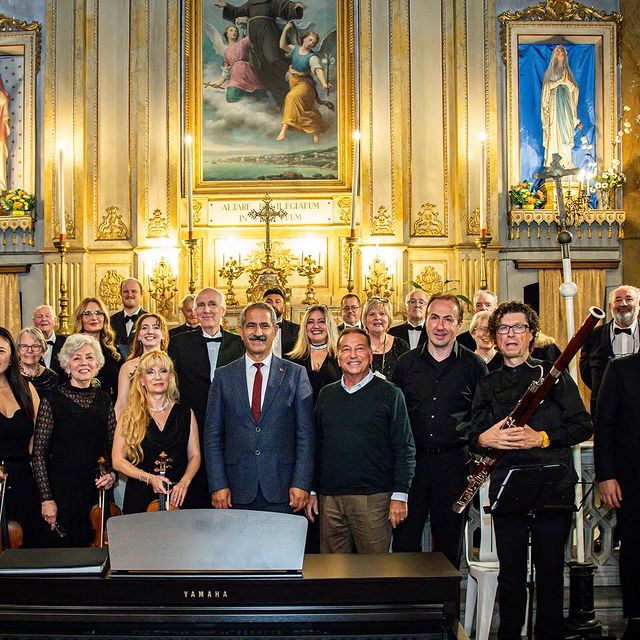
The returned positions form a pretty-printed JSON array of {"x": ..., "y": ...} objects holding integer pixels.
[{"x": 342, "y": 595}]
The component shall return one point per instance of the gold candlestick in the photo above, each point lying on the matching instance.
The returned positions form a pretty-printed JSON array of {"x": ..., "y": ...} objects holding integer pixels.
[
  {"x": 62, "y": 246},
  {"x": 309, "y": 269},
  {"x": 231, "y": 270},
  {"x": 162, "y": 286},
  {"x": 190, "y": 244},
  {"x": 378, "y": 281},
  {"x": 482, "y": 243},
  {"x": 352, "y": 241}
]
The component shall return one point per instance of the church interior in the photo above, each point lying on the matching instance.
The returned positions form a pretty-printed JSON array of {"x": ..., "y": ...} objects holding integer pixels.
[{"x": 130, "y": 151}]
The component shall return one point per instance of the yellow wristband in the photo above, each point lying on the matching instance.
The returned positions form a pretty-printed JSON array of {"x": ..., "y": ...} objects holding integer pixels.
[{"x": 545, "y": 440}]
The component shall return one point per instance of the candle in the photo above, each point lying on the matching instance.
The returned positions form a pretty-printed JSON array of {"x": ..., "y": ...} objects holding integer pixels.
[
  {"x": 189, "y": 161},
  {"x": 60, "y": 176},
  {"x": 483, "y": 184},
  {"x": 355, "y": 180}
]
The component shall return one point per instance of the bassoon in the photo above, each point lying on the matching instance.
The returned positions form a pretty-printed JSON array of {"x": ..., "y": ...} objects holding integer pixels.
[{"x": 526, "y": 407}]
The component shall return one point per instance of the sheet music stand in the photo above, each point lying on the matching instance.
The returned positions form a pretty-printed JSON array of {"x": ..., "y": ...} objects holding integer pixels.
[{"x": 526, "y": 490}]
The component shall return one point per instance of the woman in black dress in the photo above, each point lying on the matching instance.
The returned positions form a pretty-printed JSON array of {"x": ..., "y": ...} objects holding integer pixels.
[
  {"x": 153, "y": 422},
  {"x": 92, "y": 319},
  {"x": 74, "y": 428},
  {"x": 18, "y": 407},
  {"x": 315, "y": 348},
  {"x": 376, "y": 317},
  {"x": 31, "y": 348}
]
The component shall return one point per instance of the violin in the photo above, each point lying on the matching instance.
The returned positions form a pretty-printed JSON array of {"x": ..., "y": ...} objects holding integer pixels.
[
  {"x": 162, "y": 502},
  {"x": 11, "y": 533},
  {"x": 102, "y": 511}
]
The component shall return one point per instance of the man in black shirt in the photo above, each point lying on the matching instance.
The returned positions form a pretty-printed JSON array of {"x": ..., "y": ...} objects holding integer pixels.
[{"x": 438, "y": 381}]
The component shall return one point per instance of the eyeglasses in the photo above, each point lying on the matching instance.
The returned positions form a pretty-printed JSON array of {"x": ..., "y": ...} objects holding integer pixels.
[
  {"x": 503, "y": 329},
  {"x": 417, "y": 303},
  {"x": 89, "y": 314},
  {"x": 353, "y": 307},
  {"x": 29, "y": 347}
]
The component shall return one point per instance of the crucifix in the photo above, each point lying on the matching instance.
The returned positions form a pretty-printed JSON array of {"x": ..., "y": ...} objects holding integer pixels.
[
  {"x": 267, "y": 214},
  {"x": 568, "y": 290}
]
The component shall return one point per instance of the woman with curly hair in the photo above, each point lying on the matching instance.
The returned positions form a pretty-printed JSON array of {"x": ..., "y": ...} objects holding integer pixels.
[
  {"x": 150, "y": 334},
  {"x": 152, "y": 422},
  {"x": 91, "y": 318}
]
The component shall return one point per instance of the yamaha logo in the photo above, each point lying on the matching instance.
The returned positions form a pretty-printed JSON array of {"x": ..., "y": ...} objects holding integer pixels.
[{"x": 205, "y": 594}]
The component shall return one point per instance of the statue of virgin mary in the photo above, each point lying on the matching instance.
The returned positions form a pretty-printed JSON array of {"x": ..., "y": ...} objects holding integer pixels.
[{"x": 559, "y": 109}]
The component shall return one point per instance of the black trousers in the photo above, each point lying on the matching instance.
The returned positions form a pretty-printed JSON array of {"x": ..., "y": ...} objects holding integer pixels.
[
  {"x": 438, "y": 482},
  {"x": 549, "y": 536},
  {"x": 629, "y": 530}
]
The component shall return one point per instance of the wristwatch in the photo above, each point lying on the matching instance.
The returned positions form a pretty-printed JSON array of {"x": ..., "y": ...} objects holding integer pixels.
[{"x": 545, "y": 440}]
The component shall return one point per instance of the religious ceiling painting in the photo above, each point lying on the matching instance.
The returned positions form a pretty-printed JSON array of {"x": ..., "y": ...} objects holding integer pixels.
[
  {"x": 269, "y": 97},
  {"x": 560, "y": 62}
]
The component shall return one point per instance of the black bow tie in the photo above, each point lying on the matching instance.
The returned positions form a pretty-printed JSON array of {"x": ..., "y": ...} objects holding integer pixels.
[
  {"x": 617, "y": 330},
  {"x": 412, "y": 328},
  {"x": 51, "y": 343},
  {"x": 132, "y": 318},
  {"x": 208, "y": 340}
]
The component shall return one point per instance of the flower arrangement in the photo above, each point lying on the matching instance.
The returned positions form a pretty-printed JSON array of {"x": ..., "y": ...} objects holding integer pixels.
[
  {"x": 17, "y": 200},
  {"x": 526, "y": 194},
  {"x": 612, "y": 178}
]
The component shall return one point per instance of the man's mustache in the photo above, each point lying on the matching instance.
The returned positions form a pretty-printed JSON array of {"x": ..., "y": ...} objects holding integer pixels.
[{"x": 261, "y": 338}]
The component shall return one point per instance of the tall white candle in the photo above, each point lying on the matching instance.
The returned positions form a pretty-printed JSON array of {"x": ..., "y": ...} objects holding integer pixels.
[
  {"x": 355, "y": 181},
  {"x": 189, "y": 161},
  {"x": 483, "y": 184},
  {"x": 60, "y": 176}
]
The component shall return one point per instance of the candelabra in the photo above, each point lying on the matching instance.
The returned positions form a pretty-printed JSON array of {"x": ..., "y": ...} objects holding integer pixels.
[
  {"x": 378, "y": 283},
  {"x": 482, "y": 243},
  {"x": 62, "y": 247},
  {"x": 231, "y": 270},
  {"x": 352, "y": 241},
  {"x": 190, "y": 244},
  {"x": 162, "y": 286},
  {"x": 309, "y": 269}
]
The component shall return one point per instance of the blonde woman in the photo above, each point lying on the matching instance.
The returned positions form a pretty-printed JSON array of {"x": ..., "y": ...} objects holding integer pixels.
[
  {"x": 315, "y": 348},
  {"x": 91, "y": 318},
  {"x": 150, "y": 334},
  {"x": 479, "y": 330},
  {"x": 152, "y": 422},
  {"x": 377, "y": 316}
]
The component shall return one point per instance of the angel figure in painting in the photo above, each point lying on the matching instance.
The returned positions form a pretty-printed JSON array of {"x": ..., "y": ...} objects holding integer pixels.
[
  {"x": 299, "y": 110},
  {"x": 237, "y": 72},
  {"x": 559, "y": 109},
  {"x": 4, "y": 135}
]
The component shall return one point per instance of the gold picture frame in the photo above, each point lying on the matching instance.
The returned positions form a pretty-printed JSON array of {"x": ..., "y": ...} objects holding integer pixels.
[{"x": 342, "y": 78}]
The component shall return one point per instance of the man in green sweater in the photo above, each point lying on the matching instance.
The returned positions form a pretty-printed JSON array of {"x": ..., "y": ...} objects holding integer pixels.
[{"x": 365, "y": 455}]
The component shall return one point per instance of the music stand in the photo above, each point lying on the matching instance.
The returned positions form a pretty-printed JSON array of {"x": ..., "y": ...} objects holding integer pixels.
[{"x": 526, "y": 489}]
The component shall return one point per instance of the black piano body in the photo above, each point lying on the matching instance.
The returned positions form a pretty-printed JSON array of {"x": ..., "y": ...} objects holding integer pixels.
[{"x": 388, "y": 595}]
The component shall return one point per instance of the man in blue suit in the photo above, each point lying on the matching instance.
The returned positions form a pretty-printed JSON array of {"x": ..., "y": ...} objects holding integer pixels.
[{"x": 259, "y": 430}]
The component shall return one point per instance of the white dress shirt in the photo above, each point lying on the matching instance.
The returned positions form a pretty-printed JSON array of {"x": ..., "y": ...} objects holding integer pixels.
[
  {"x": 251, "y": 375},
  {"x": 414, "y": 336},
  {"x": 624, "y": 344},
  {"x": 46, "y": 356},
  {"x": 213, "y": 349}
]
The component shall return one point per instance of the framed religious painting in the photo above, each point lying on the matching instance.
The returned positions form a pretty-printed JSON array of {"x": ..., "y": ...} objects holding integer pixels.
[
  {"x": 269, "y": 96},
  {"x": 561, "y": 90}
]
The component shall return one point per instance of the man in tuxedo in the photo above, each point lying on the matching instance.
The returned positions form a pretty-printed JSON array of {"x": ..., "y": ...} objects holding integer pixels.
[
  {"x": 483, "y": 300},
  {"x": 123, "y": 322},
  {"x": 196, "y": 356},
  {"x": 259, "y": 430},
  {"x": 350, "y": 308},
  {"x": 412, "y": 331},
  {"x": 287, "y": 331},
  {"x": 187, "y": 307},
  {"x": 44, "y": 319},
  {"x": 618, "y": 337},
  {"x": 616, "y": 450}
]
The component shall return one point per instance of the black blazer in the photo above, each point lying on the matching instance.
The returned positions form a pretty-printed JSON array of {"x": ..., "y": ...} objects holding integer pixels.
[
  {"x": 466, "y": 340},
  {"x": 289, "y": 332},
  {"x": 594, "y": 357},
  {"x": 181, "y": 328},
  {"x": 123, "y": 342},
  {"x": 616, "y": 437},
  {"x": 402, "y": 331},
  {"x": 55, "y": 350},
  {"x": 190, "y": 357}
]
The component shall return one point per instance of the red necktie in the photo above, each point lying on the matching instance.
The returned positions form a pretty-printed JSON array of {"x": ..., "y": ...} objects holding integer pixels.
[{"x": 256, "y": 395}]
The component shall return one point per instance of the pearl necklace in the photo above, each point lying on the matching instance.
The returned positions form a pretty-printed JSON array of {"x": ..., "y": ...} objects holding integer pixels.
[{"x": 162, "y": 408}]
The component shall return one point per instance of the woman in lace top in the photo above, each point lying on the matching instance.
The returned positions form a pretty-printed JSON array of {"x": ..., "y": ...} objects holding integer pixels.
[
  {"x": 74, "y": 427},
  {"x": 150, "y": 334},
  {"x": 31, "y": 347}
]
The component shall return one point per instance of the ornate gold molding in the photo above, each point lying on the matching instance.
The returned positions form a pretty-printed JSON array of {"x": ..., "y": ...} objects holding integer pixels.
[
  {"x": 157, "y": 225},
  {"x": 26, "y": 224},
  {"x": 344, "y": 210},
  {"x": 109, "y": 289},
  {"x": 473, "y": 222},
  {"x": 381, "y": 222},
  {"x": 112, "y": 226},
  {"x": 427, "y": 223},
  {"x": 13, "y": 25},
  {"x": 557, "y": 11},
  {"x": 430, "y": 280}
]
